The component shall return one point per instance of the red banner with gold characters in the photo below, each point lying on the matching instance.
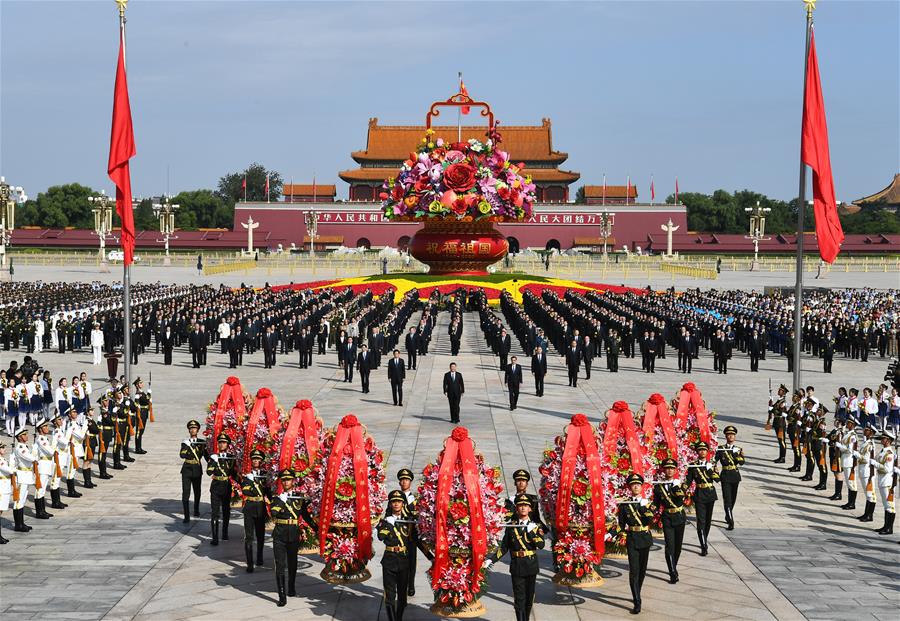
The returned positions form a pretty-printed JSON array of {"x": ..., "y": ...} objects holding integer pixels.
[
  {"x": 621, "y": 423},
  {"x": 265, "y": 404},
  {"x": 580, "y": 434},
  {"x": 302, "y": 420},
  {"x": 231, "y": 394},
  {"x": 658, "y": 410},
  {"x": 690, "y": 399}
]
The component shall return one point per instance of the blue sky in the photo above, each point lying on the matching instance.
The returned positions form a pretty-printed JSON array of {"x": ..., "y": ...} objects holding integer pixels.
[{"x": 706, "y": 91}]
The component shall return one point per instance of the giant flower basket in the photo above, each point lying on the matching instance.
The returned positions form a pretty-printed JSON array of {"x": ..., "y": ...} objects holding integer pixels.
[
  {"x": 264, "y": 430},
  {"x": 460, "y": 518},
  {"x": 695, "y": 423},
  {"x": 228, "y": 413},
  {"x": 348, "y": 500},
  {"x": 301, "y": 451},
  {"x": 459, "y": 190},
  {"x": 572, "y": 496},
  {"x": 623, "y": 445},
  {"x": 665, "y": 440}
]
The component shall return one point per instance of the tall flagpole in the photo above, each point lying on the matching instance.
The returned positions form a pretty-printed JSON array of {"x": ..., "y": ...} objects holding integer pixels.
[
  {"x": 459, "y": 114},
  {"x": 126, "y": 276},
  {"x": 801, "y": 208}
]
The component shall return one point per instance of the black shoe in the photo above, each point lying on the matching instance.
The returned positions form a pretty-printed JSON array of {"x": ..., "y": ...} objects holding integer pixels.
[
  {"x": 71, "y": 492},
  {"x": 248, "y": 552},
  {"x": 636, "y": 610},
  {"x": 140, "y": 451},
  {"x": 88, "y": 481},
  {"x": 215, "y": 532},
  {"x": 282, "y": 596},
  {"x": 128, "y": 459},
  {"x": 411, "y": 592}
]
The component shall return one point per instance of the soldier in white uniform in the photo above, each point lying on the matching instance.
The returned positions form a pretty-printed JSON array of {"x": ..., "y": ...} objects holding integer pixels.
[
  {"x": 42, "y": 451},
  {"x": 865, "y": 458},
  {"x": 60, "y": 443},
  {"x": 6, "y": 473},
  {"x": 885, "y": 480},
  {"x": 97, "y": 344},
  {"x": 38, "y": 335},
  {"x": 74, "y": 448},
  {"x": 23, "y": 461},
  {"x": 848, "y": 443}
]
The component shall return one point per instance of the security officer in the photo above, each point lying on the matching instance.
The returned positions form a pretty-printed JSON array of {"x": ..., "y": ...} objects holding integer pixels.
[
  {"x": 704, "y": 474},
  {"x": 193, "y": 449},
  {"x": 106, "y": 429},
  {"x": 522, "y": 477},
  {"x": 635, "y": 517},
  {"x": 731, "y": 457},
  {"x": 777, "y": 419},
  {"x": 395, "y": 534},
  {"x": 221, "y": 468},
  {"x": 522, "y": 538},
  {"x": 142, "y": 403},
  {"x": 256, "y": 493},
  {"x": 288, "y": 512},
  {"x": 669, "y": 497}
]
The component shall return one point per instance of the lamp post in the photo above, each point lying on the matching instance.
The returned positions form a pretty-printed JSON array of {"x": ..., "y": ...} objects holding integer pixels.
[
  {"x": 102, "y": 208},
  {"x": 165, "y": 211},
  {"x": 606, "y": 219},
  {"x": 311, "y": 218},
  {"x": 757, "y": 231},
  {"x": 9, "y": 196}
]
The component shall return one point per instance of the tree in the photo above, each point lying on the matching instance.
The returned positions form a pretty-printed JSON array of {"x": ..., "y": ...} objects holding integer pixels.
[
  {"x": 201, "y": 209},
  {"x": 579, "y": 196},
  {"x": 61, "y": 206},
  {"x": 231, "y": 190}
]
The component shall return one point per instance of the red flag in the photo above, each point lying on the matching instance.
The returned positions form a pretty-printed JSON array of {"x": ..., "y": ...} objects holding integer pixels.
[
  {"x": 604, "y": 189},
  {"x": 814, "y": 153},
  {"x": 652, "y": 190},
  {"x": 463, "y": 91},
  {"x": 628, "y": 190},
  {"x": 244, "y": 184},
  {"x": 676, "y": 190},
  {"x": 121, "y": 149},
  {"x": 267, "y": 186}
]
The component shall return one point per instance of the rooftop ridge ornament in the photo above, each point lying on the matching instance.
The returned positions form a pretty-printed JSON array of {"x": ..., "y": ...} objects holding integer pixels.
[{"x": 460, "y": 100}]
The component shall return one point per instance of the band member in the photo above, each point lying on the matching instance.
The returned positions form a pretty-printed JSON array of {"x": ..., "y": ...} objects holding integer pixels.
[
  {"x": 635, "y": 517},
  {"x": 704, "y": 474},
  {"x": 819, "y": 443},
  {"x": 26, "y": 467},
  {"x": 886, "y": 480},
  {"x": 120, "y": 417},
  {"x": 669, "y": 496},
  {"x": 777, "y": 419},
  {"x": 866, "y": 470},
  {"x": 848, "y": 444},
  {"x": 395, "y": 533},
  {"x": 256, "y": 493},
  {"x": 106, "y": 426},
  {"x": 522, "y": 538},
  {"x": 221, "y": 468},
  {"x": 731, "y": 457},
  {"x": 193, "y": 449},
  {"x": 288, "y": 510},
  {"x": 43, "y": 453}
]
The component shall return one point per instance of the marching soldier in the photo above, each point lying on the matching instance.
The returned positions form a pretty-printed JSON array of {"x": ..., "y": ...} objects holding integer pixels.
[
  {"x": 142, "y": 404},
  {"x": 522, "y": 477},
  {"x": 193, "y": 449},
  {"x": 395, "y": 534},
  {"x": 669, "y": 496},
  {"x": 221, "y": 468},
  {"x": 635, "y": 517},
  {"x": 26, "y": 467},
  {"x": 777, "y": 419},
  {"x": 42, "y": 450},
  {"x": 886, "y": 480},
  {"x": 794, "y": 422},
  {"x": 288, "y": 510},
  {"x": 866, "y": 459},
  {"x": 704, "y": 474},
  {"x": 848, "y": 445},
  {"x": 522, "y": 539},
  {"x": 410, "y": 512},
  {"x": 256, "y": 493},
  {"x": 731, "y": 457},
  {"x": 7, "y": 472},
  {"x": 106, "y": 431}
]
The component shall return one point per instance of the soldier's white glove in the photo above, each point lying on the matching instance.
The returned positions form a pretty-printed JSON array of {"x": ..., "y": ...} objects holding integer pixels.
[
  {"x": 676, "y": 481},
  {"x": 866, "y": 460},
  {"x": 840, "y": 446},
  {"x": 148, "y": 391},
  {"x": 251, "y": 476},
  {"x": 531, "y": 527},
  {"x": 856, "y": 454},
  {"x": 806, "y": 429},
  {"x": 709, "y": 466},
  {"x": 784, "y": 415},
  {"x": 823, "y": 440},
  {"x": 283, "y": 496},
  {"x": 215, "y": 458},
  {"x": 487, "y": 564},
  {"x": 390, "y": 519},
  {"x": 643, "y": 502}
]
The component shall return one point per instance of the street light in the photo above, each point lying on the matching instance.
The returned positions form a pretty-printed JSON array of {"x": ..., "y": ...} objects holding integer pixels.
[
  {"x": 757, "y": 231},
  {"x": 165, "y": 211},
  {"x": 9, "y": 196},
  {"x": 102, "y": 209},
  {"x": 606, "y": 219},
  {"x": 311, "y": 218}
]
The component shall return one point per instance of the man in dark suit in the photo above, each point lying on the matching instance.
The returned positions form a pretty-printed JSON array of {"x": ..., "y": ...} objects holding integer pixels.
[
  {"x": 454, "y": 389},
  {"x": 412, "y": 348},
  {"x": 364, "y": 363},
  {"x": 396, "y": 375},
  {"x": 503, "y": 347},
  {"x": 587, "y": 355},
  {"x": 513, "y": 381},
  {"x": 194, "y": 345},
  {"x": 168, "y": 344},
  {"x": 204, "y": 343},
  {"x": 573, "y": 363},
  {"x": 376, "y": 345},
  {"x": 349, "y": 358},
  {"x": 539, "y": 370},
  {"x": 236, "y": 348},
  {"x": 753, "y": 346},
  {"x": 689, "y": 346},
  {"x": 455, "y": 332},
  {"x": 652, "y": 351}
]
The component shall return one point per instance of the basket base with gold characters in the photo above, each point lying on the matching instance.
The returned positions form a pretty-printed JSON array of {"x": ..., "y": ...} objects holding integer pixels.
[
  {"x": 468, "y": 610},
  {"x": 339, "y": 569}
]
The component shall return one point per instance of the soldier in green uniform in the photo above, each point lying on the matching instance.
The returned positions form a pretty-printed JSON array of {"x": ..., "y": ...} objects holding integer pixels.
[
  {"x": 522, "y": 478},
  {"x": 794, "y": 422},
  {"x": 704, "y": 474},
  {"x": 221, "y": 468},
  {"x": 405, "y": 479},
  {"x": 288, "y": 510},
  {"x": 256, "y": 493},
  {"x": 776, "y": 421},
  {"x": 635, "y": 517},
  {"x": 819, "y": 445},
  {"x": 128, "y": 410},
  {"x": 395, "y": 533},
  {"x": 106, "y": 431},
  {"x": 731, "y": 457},
  {"x": 142, "y": 401},
  {"x": 807, "y": 425},
  {"x": 669, "y": 496},
  {"x": 193, "y": 450}
]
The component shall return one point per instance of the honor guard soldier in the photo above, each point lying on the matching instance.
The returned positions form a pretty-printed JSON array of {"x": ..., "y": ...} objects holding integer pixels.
[
  {"x": 703, "y": 473},
  {"x": 142, "y": 404},
  {"x": 522, "y": 477},
  {"x": 128, "y": 410},
  {"x": 221, "y": 468},
  {"x": 405, "y": 478},
  {"x": 819, "y": 444},
  {"x": 91, "y": 431},
  {"x": 522, "y": 538},
  {"x": 866, "y": 459},
  {"x": 43, "y": 453},
  {"x": 75, "y": 433},
  {"x": 256, "y": 493},
  {"x": 394, "y": 531},
  {"x": 106, "y": 435},
  {"x": 7, "y": 472},
  {"x": 886, "y": 480},
  {"x": 731, "y": 457},
  {"x": 120, "y": 419},
  {"x": 60, "y": 443},
  {"x": 794, "y": 428},
  {"x": 288, "y": 511},
  {"x": 668, "y": 495},
  {"x": 848, "y": 445},
  {"x": 777, "y": 419},
  {"x": 26, "y": 466},
  {"x": 635, "y": 518},
  {"x": 193, "y": 449}
]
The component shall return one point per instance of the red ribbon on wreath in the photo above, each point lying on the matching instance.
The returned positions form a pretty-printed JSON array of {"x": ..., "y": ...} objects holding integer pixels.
[
  {"x": 458, "y": 448},
  {"x": 657, "y": 410},
  {"x": 349, "y": 434},
  {"x": 620, "y": 421},
  {"x": 303, "y": 420},
  {"x": 264, "y": 404},
  {"x": 230, "y": 393},
  {"x": 580, "y": 433},
  {"x": 690, "y": 399}
]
